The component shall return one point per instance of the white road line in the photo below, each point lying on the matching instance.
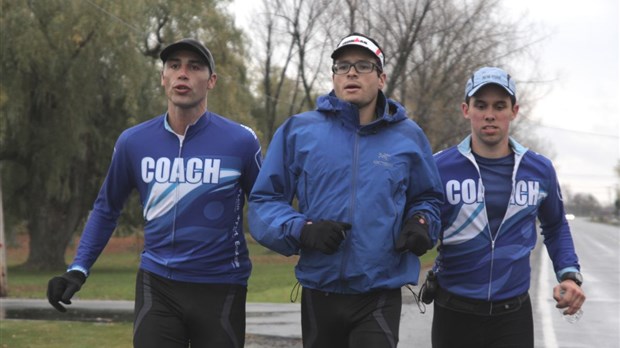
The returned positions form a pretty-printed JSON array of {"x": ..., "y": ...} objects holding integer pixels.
[{"x": 544, "y": 291}]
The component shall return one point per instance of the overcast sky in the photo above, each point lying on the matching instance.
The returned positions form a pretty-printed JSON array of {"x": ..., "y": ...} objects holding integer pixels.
[{"x": 580, "y": 112}]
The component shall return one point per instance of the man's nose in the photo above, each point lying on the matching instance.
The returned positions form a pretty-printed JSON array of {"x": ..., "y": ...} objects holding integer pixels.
[
  {"x": 352, "y": 71},
  {"x": 489, "y": 115},
  {"x": 183, "y": 72}
]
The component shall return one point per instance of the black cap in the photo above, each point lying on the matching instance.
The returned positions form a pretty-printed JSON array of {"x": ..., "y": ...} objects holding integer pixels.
[{"x": 191, "y": 45}]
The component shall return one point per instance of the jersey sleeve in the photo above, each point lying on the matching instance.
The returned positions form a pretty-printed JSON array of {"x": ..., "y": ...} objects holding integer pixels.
[
  {"x": 425, "y": 195},
  {"x": 555, "y": 229},
  {"x": 272, "y": 220},
  {"x": 253, "y": 163},
  {"x": 107, "y": 208}
]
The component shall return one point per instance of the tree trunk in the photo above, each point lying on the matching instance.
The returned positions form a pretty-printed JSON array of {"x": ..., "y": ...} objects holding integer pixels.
[
  {"x": 50, "y": 233},
  {"x": 4, "y": 290},
  {"x": 52, "y": 223}
]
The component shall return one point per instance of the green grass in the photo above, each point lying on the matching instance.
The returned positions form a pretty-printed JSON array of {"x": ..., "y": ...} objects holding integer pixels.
[
  {"x": 113, "y": 278},
  {"x": 114, "y": 274},
  {"x": 64, "y": 334},
  {"x": 271, "y": 283}
]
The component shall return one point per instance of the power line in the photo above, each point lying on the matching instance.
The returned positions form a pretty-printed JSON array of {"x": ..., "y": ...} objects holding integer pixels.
[
  {"x": 587, "y": 175},
  {"x": 580, "y": 131},
  {"x": 114, "y": 16}
]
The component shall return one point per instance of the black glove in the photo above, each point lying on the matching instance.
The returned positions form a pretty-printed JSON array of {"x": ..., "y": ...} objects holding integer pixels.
[
  {"x": 61, "y": 289},
  {"x": 324, "y": 235},
  {"x": 414, "y": 236}
]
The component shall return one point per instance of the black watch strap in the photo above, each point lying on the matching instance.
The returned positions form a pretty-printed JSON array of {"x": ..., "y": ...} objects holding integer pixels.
[{"x": 574, "y": 276}]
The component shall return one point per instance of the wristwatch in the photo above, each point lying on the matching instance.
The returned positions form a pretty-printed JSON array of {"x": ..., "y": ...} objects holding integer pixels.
[{"x": 574, "y": 276}]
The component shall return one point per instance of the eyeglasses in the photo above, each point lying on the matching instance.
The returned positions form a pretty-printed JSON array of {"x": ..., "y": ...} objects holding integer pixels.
[{"x": 362, "y": 67}]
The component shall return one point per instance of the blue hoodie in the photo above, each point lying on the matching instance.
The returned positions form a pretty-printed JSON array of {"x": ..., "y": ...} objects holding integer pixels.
[
  {"x": 475, "y": 264},
  {"x": 192, "y": 191},
  {"x": 374, "y": 177}
]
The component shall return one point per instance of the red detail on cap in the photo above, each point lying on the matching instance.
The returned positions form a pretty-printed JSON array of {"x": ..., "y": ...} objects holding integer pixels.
[{"x": 357, "y": 39}]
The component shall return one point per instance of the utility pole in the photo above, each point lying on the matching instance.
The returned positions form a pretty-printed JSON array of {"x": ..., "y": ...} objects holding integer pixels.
[{"x": 4, "y": 290}]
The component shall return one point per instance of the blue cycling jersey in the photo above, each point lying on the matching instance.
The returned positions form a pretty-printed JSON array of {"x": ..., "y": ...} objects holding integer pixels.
[
  {"x": 192, "y": 189},
  {"x": 475, "y": 263}
]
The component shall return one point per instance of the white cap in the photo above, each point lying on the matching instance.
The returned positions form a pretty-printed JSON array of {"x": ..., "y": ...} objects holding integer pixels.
[{"x": 362, "y": 41}]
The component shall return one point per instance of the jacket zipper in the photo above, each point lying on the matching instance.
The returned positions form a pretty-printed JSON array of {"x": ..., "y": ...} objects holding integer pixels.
[
  {"x": 354, "y": 173},
  {"x": 176, "y": 201},
  {"x": 491, "y": 268},
  {"x": 518, "y": 158},
  {"x": 499, "y": 229},
  {"x": 492, "y": 258}
]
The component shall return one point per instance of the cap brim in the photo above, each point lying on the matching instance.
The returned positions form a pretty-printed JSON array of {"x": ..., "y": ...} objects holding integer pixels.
[
  {"x": 362, "y": 42},
  {"x": 475, "y": 89},
  {"x": 192, "y": 46},
  {"x": 177, "y": 47}
]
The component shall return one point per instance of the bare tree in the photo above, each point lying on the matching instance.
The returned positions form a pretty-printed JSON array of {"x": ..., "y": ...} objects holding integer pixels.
[
  {"x": 436, "y": 45},
  {"x": 272, "y": 85},
  {"x": 431, "y": 48},
  {"x": 291, "y": 35},
  {"x": 401, "y": 25}
]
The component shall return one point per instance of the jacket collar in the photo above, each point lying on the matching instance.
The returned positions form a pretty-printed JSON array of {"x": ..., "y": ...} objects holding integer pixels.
[
  {"x": 201, "y": 122},
  {"x": 390, "y": 111},
  {"x": 464, "y": 146}
]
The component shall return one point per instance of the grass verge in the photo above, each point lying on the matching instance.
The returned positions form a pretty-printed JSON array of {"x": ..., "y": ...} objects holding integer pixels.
[
  {"x": 64, "y": 334},
  {"x": 113, "y": 275},
  {"x": 113, "y": 278}
]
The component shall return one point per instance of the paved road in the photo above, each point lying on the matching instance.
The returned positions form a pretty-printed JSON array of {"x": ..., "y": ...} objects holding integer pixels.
[
  {"x": 598, "y": 247},
  {"x": 278, "y": 325}
]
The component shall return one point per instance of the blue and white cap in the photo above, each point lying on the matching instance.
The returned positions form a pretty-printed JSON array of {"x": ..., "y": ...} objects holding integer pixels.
[{"x": 487, "y": 75}]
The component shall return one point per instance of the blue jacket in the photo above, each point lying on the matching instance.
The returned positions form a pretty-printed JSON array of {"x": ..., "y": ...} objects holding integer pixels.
[
  {"x": 473, "y": 264},
  {"x": 192, "y": 193},
  {"x": 373, "y": 176}
]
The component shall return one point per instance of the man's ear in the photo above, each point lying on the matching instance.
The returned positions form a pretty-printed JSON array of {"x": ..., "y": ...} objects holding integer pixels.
[
  {"x": 515, "y": 111},
  {"x": 465, "y": 110},
  {"x": 382, "y": 80},
  {"x": 212, "y": 81}
]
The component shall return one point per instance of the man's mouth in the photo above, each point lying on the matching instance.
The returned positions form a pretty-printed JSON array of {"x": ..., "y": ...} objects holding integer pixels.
[
  {"x": 351, "y": 87},
  {"x": 181, "y": 88}
]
